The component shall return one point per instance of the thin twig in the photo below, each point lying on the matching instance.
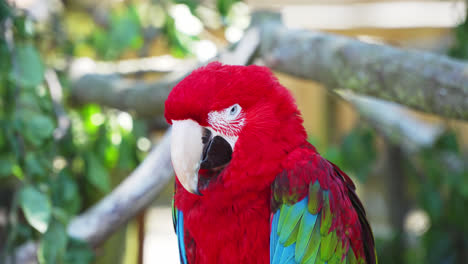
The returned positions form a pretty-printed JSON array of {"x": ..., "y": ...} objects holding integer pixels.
[{"x": 56, "y": 93}]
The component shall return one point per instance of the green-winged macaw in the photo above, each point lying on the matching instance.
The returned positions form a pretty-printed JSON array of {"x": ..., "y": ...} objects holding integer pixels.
[{"x": 249, "y": 187}]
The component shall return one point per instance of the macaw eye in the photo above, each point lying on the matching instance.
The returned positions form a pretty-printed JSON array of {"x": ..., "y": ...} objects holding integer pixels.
[{"x": 234, "y": 110}]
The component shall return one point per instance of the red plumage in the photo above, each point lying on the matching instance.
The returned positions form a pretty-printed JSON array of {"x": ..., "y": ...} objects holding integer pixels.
[{"x": 230, "y": 222}]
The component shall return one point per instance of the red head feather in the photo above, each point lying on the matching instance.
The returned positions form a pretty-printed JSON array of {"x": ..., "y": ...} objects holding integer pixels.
[
  {"x": 216, "y": 86},
  {"x": 273, "y": 125}
]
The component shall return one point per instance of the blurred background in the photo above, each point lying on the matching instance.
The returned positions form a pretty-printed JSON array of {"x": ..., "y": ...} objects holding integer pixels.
[{"x": 75, "y": 119}]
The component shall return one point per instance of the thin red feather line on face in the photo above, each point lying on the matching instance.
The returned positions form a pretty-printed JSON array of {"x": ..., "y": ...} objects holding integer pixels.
[{"x": 229, "y": 128}]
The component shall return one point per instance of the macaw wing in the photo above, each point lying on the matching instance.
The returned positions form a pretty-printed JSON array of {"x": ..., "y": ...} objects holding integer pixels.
[
  {"x": 317, "y": 217},
  {"x": 178, "y": 221}
]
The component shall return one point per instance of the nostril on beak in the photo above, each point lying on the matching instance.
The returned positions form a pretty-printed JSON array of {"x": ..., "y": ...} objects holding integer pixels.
[
  {"x": 206, "y": 140},
  {"x": 206, "y": 136}
]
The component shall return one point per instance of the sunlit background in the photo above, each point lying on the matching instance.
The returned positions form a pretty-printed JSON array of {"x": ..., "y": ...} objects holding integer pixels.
[{"x": 410, "y": 196}]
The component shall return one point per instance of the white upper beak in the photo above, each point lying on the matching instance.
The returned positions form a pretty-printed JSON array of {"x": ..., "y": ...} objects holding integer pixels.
[{"x": 186, "y": 152}]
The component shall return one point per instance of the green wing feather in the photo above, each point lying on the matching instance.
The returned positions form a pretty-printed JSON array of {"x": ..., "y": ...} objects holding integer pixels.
[{"x": 303, "y": 230}]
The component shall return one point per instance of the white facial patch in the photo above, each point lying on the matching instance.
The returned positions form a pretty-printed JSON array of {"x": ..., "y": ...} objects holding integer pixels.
[{"x": 227, "y": 123}]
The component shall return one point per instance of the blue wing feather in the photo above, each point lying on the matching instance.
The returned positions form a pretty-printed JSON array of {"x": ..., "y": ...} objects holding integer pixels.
[
  {"x": 178, "y": 220},
  {"x": 180, "y": 237},
  {"x": 274, "y": 235},
  {"x": 305, "y": 230},
  {"x": 288, "y": 254},
  {"x": 283, "y": 222}
]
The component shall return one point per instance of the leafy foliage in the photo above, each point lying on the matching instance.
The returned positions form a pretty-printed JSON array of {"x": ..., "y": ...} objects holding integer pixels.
[
  {"x": 460, "y": 46},
  {"x": 36, "y": 207},
  {"x": 357, "y": 152},
  {"x": 124, "y": 33},
  {"x": 438, "y": 180},
  {"x": 49, "y": 174},
  {"x": 444, "y": 195},
  {"x": 27, "y": 148},
  {"x": 52, "y": 179},
  {"x": 224, "y": 6}
]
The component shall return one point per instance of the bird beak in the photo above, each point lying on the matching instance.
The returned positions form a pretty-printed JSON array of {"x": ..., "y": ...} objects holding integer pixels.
[
  {"x": 186, "y": 152},
  {"x": 194, "y": 147}
]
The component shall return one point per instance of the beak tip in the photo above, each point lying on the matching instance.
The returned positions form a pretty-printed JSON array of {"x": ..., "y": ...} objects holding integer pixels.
[{"x": 194, "y": 191}]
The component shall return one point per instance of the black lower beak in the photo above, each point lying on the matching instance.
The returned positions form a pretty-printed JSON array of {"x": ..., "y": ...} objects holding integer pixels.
[{"x": 217, "y": 152}]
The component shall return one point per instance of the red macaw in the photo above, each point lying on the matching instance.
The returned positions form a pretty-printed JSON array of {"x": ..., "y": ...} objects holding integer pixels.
[{"x": 249, "y": 187}]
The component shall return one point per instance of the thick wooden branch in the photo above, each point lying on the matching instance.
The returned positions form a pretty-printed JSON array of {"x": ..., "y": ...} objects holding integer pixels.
[
  {"x": 424, "y": 81},
  {"x": 136, "y": 192},
  {"x": 143, "y": 98},
  {"x": 394, "y": 122},
  {"x": 146, "y": 99},
  {"x": 124, "y": 202},
  {"x": 159, "y": 64}
]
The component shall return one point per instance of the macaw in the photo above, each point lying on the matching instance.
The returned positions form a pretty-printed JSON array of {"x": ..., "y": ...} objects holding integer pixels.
[{"x": 249, "y": 187}]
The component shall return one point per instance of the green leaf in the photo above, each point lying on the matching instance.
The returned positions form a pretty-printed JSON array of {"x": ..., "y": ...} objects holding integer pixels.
[
  {"x": 24, "y": 231},
  {"x": 447, "y": 142},
  {"x": 224, "y": 6},
  {"x": 192, "y": 4},
  {"x": 65, "y": 194},
  {"x": 464, "y": 187},
  {"x": 79, "y": 252},
  {"x": 179, "y": 42},
  {"x": 6, "y": 165},
  {"x": 42, "y": 125},
  {"x": 127, "y": 157},
  {"x": 36, "y": 207},
  {"x": 28, "y": 99},
  {"x": 124, "y": 33},
  {"x": 125, "y": 29},
  {"x": 5, "y": 62},
  {"x": 96, "y": 173},
  {"x": 17, "y": 171},
  {"x": 53, "y": 244},
  {"x": 5, "y": 10},
  {"x": 33, "y": 165},
  {"x": 24, "y": 27},
  {"x": 35, "y": 127},
  {"x": 89, "y": 112},
  {"x": 29, "y": 70}
]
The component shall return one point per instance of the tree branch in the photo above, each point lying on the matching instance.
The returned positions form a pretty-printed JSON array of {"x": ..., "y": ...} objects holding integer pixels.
[
  {"x": 394, "y": 122},
  {"x": 158, "y": 64},
  {"x": 421, "y": 80},
  {"x": 124, "y": 202},
  {"x": 56, "y": 93},
  {"x": 143, "y": 98}
]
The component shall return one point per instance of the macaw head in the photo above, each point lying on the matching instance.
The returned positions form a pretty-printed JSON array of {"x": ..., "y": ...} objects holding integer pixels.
[{"x": 230, "y": 117}]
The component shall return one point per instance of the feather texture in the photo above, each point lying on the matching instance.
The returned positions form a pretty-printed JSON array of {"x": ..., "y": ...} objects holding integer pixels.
[
  {"x": 325, "y": 225},
  {"x": 277, "y": 200}
]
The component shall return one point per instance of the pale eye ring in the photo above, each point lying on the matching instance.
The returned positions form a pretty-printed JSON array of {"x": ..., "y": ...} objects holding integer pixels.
[{"x": 234, "y": 110}]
